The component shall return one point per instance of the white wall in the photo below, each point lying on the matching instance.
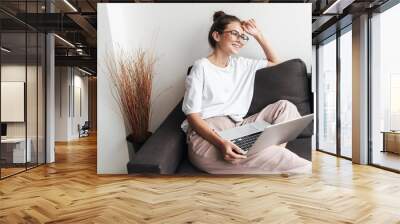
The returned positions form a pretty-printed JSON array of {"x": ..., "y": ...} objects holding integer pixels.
[
  {"x": 61, "y": 104},
  {"x": 80, "y": 83},
  {"x": 67, "y": 81},
  {"x": 178, "y": 35}
]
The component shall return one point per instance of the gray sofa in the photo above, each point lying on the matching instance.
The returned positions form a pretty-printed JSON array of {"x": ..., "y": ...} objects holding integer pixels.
[{"x": 165, "y": 152}]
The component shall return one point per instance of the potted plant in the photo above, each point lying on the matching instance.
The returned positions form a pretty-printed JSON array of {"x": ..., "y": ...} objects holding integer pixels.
[{"x": 131, "y": 75}]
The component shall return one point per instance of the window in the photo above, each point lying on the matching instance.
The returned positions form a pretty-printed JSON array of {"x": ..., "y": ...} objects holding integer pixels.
[
  {"x": 333, "y": 137},
  {"x": 385, "y": 89},
  {"x": 327, "y": 96},
  {"x": 346, "y": 93}
]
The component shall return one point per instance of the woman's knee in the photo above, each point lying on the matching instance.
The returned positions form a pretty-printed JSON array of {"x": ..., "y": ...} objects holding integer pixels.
[
  {"x": 206, "y": 161},
  {"x": 204, "y": 150},
  {"x": 288, "y": 105}
]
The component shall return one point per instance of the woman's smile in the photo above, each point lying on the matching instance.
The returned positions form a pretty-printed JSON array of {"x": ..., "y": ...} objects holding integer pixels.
[{"x": 237, "y": 45}]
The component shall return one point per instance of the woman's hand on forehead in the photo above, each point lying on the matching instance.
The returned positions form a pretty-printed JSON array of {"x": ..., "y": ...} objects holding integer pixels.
[{"x": 250, "y": 27}]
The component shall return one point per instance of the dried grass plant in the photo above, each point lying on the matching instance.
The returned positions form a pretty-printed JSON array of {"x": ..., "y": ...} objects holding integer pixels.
[{"x": 132, "y": 75}]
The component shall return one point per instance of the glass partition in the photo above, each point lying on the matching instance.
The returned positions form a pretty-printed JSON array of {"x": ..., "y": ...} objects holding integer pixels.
[
  {"x": 327, "y": 96},
  {"x": 346, "y": 93},
  {"x": 14, "y": 153},
  {"x": 22, "y": 63},
  {"x": 385, "y": 89}
]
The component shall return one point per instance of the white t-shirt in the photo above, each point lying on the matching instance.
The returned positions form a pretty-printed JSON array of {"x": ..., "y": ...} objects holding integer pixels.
[{"x": 216, "y": 91}]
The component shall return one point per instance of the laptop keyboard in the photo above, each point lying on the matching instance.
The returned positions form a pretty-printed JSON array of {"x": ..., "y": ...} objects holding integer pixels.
[{"x": 247, "y": 141}]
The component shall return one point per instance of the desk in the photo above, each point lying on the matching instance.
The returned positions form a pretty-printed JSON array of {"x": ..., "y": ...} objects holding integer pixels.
[
  {"x": 15, "y": 148},
  {"x": 391, "y": 141}
]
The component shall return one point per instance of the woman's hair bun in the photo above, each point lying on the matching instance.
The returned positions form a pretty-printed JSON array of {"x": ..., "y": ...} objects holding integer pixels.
[
  {"x": 221, "y": 20},
  {"x": 218, "y": 15}
]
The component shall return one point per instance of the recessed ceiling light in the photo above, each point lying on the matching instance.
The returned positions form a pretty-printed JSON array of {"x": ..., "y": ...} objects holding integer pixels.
[
  {"x": 70, "y": 5},
  {"x": 337, "y": 7},
  {"x": 64, "y": 40},
  {"x": 5, "y": 50},
  {"x": 84, "y": 71}
]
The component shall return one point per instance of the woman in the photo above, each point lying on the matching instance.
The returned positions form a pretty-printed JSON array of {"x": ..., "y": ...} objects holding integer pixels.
[{"x": 218, "y": 94}]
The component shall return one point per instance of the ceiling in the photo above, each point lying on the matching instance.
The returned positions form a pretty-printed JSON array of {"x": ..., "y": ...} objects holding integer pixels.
[{"x": 76, "y": 22}]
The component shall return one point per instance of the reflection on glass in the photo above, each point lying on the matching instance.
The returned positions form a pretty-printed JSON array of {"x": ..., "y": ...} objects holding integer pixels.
[
  {"x": 385, "y": 114},
  {"x": 346, "y": 94},
  {"x": 327, "y": 97},
  {"x": 394, "y": 101},
  {"x": 23, "y": 90},
  {"x": 14, "y": 153}
]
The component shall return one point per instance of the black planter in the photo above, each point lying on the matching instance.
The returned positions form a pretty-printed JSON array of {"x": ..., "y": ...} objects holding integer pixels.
[{"x": 134, "y": 146}]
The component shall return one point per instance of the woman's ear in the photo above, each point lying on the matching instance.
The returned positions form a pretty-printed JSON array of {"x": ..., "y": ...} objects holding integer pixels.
[{"x": 216, "y": 36}]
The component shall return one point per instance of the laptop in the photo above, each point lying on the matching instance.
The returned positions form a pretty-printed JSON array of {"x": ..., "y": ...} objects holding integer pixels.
[{"x": 260, "y": 134}]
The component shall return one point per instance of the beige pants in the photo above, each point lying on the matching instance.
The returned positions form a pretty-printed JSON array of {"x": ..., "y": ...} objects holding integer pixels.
[{"x": 272, "y": 160}]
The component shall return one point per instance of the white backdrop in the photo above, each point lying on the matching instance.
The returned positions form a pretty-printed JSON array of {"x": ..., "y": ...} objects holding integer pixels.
[
  {"x": 177, "y": 33},
  {"x": 12, "y": 101}
]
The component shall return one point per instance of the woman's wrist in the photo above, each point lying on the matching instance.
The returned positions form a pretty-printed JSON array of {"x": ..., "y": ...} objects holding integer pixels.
[
  {"x": 215, "y": 139},
  {"x": 269, "y": 54},
  {"x": 220, "y": 142},
  {"x": 259, "y": 37}
]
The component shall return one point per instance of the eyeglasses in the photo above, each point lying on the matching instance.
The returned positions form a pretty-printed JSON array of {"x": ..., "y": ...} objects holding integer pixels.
[{"x": 237, "y": 35}]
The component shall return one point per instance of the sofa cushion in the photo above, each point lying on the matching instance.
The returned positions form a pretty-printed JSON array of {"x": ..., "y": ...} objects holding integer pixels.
[
  {"x": 302, "y": 147},
  {"x": 285, "y": 81},
  {"x": 163, "y": 151}
]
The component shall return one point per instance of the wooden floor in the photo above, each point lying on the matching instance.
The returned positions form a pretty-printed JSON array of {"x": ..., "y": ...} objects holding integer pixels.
[
  {"x": 70, "y": 191},
  {"x": 386, "y": 159},
  {"x": 5, "y": 172}
]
